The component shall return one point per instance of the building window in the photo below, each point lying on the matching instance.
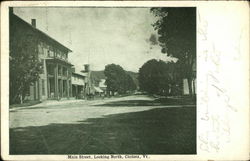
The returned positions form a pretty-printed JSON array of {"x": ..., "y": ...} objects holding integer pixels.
[
  {"x": 40, "y": 50},
  {"x": 43, "y": 87},
  {"x": 45, "y": 52},
  {"x": 62, "y": 56},
  {"x": 50, "y": 53},
  {"x": 58, "y": 55},
  {"x": 65, "y": 56}
]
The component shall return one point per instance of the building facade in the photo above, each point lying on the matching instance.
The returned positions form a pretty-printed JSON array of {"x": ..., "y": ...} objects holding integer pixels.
[
  {"x": 55, "y": 80},
  {"x": 103, "y": 86},
  {"x": 78, "y": 84}
]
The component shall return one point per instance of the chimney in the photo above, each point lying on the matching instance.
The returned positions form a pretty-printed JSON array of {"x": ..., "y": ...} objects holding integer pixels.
[
  {"x": 86, "y": 67},
  {"x": 33, "y": 22}
]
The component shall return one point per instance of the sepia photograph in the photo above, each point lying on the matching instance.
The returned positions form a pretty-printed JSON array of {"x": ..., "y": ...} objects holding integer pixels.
[
  {"x": 102, "y": 80},
  {"x": 125, "y": 80}
]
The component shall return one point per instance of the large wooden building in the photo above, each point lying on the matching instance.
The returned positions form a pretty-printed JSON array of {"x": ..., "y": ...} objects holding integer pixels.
[{"x": 55, "y": 80}]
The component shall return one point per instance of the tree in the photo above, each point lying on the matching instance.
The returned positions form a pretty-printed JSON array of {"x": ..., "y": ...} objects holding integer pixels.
[
  {"x": 177, "y": 36},
  {"x": 117, "y": 80},
  {"x": 24, "y": 66},
  {"x": 113, "y": 74},
  {"x": 129, "y": 83},
  {"x": 155, "y": 77}
]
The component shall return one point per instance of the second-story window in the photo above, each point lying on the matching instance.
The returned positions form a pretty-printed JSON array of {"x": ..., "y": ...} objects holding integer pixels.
[
  {"x": 58, "y": 54},
  {"x": 61, "y": 55},
  {"x": 45, "y": 52},
  {"x": 40, "y": 50},
  {"x": 50, "y": 53},
  {"x": 65, "y": 56}
]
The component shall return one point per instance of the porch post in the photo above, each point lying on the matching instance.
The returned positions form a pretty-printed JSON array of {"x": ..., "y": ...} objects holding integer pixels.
[
  {"x": 61, "y": 86},
  {"x": 67, "y": 83},
  {"x": 56, "y": 81},
  {"x": 48, "y": 86},
  {"x": 76, "y": 91}
]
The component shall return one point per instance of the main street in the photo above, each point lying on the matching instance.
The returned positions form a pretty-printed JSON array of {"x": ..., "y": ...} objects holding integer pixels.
[
  {"x": 131, "y": 124},
  {"x": 72, "y": 111}
]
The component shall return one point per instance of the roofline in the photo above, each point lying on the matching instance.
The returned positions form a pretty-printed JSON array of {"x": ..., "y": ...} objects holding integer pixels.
[
  {"x": 78, "y": 74},
  {"x": 59, "y": 60},
  {"x": 41, "y": 32}
]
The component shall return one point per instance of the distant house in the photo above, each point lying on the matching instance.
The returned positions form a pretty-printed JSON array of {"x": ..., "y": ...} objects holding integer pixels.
[
  {"x": 103, "y": 86},
  {"x": 55, "y": 80},
  {"x": 95, "y": 81},
  {"x": 98, "y": 79}
]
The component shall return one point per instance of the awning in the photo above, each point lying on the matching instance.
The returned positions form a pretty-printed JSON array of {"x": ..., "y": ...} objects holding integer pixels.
[{"x": 97, "y": 89}]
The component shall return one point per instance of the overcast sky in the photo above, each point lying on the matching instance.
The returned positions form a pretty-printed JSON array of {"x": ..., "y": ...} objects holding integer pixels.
[{"x": 99, "y": 36}]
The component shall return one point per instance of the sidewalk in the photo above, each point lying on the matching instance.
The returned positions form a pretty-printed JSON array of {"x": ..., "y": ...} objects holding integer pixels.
[{"x": 48, "y": 103}]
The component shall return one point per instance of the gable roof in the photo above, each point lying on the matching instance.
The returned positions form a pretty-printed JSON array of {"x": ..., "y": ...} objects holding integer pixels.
[
  {"x": 79, "y": 74},
  {"x": 41, "y": 33}
]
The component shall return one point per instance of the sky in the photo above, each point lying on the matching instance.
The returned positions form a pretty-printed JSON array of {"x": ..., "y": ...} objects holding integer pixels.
[{"x": 100, "y": 36}]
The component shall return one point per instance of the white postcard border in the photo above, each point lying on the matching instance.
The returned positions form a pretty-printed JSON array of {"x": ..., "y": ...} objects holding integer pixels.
[{"x": 223, "y": 31}]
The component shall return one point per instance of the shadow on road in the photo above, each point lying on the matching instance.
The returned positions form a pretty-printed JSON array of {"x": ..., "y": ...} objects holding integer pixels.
[
  {"x": 155, "y": 102},
  {"x": 156, "y": 131}
]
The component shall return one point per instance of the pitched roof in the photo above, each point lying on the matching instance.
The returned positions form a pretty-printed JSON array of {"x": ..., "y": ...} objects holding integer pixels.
[
  {"x": 79, "y": 73},
  {"x": 43, "y": 34}
]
